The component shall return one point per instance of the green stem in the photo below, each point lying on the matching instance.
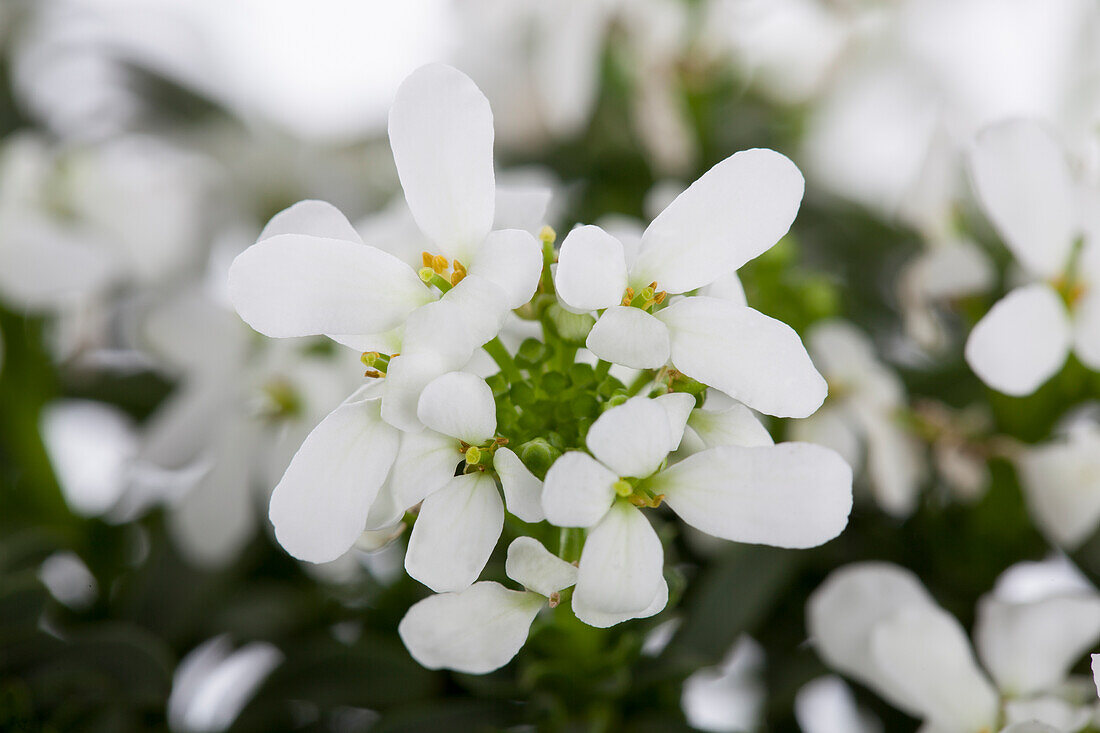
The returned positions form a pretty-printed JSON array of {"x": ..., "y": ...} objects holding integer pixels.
[
  {"x": 504, "y": 360},
  {"x": 640, "y": 381},
  {"x": 570, "y": 542},
  {"x": 601, "y": 369}
]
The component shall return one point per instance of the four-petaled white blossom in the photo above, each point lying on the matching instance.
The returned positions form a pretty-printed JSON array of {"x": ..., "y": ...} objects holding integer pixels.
[
  {"x": 790, "y": 495},
  {"x": 1024, "y": 184},
  {"x": 311, "y": 274},
  {"x": 733, "y": 213}
]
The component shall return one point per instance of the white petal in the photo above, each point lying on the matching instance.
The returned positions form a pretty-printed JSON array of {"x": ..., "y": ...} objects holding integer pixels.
[
  {"x": 728, "y": 287},
  {"x": 521, "y": 205},
  {"x": 90, "y": 446},
  {"x": 926, "y": 654},
  {"x": 734, "y": 212},
  {"x": 849, "y": 605},
  {"x": 522, "y": 490},
  {"x": 315, "y": 218},
  {"x": 536, "y": 568},
  {"x": 826, "y": 705},
  {"x": 578, "y": 491},
  {"x": 788, "y": 495},
  {"x": 603, "y": 620},
  {"x": 461, "y": 405},
  {"x": 43, "y": 265},
  {"x": 425, "y": 462},
  {"x": 320, "y": 506},
  {"x": 1030, "y": 727},
  {"x": 591, "y": 271},
  {"x": 297, "y": 285},
  {"x": 1021, "y": 342},
  {"x": 621, "y": 564},
  {"x": 631, "y": 439},
  {"x": 1061, "y": 481},
  {"x": 1086, "y": 327},
  {"x": 1023, "y": 182},
  {"x": 455, "y": 533},
  {"x": 475, "y": 631},
  {"x": 749, "y": 356},
  {"x": 894, "y": 462},
  {"x": 1096, "y": 672},
  {"x": 678, "y": 406},
  {"x": 1029, "y": 647},
  {"x": 511, "y": 259},
  {"x": 734, "y": 426},
  {"x": 631, "y": 337},
  {"x": 483, "y": 306},
  {"x": 436, "y": 341},
  {"x": 441, "y": 132}
]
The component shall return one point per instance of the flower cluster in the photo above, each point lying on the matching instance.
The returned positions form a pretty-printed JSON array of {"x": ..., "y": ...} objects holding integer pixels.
[{"x": 623, "y": 378}]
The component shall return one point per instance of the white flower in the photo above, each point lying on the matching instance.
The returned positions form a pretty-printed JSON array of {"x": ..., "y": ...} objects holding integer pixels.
[
  {"x": 734, "y": 212},
  {"x": 213, "y": 683},
  {"x": 311, "y": 274},
  {"x": 792, "y": 495},
  {"x": 1024, "y": 184},
  {"x": 730, "y": 696},
  {"x": 1061, "y": 481},
  {"x": 877, "y": 623},
  {"x": 482, "y": 627},
  {"x": 862, "y": 415},
  {"x": 826, "y": 705}
]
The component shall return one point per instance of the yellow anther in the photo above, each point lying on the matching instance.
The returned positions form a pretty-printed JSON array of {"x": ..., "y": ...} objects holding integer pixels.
[
  {"x": 373, "y": 374},
  {"x": 439, "y": 264},
  {"x": 554, "y": 599},
  {"x": 623, "y": 488},
  {"x": 659, "y": 298},
  {"x": 473, "y": 455},
  {"x": 426, "y": 274},
  {"x": 628, "y": 296},
  {"x": 547, "y": 235},
  {"x": 458, "y": 274},
  {"x": 426, "y": 258}
]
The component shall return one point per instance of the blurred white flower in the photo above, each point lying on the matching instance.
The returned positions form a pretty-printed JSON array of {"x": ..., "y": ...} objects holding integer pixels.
[
  {"x": 826, "y": 705},
  {"x": 728, "y": 698},
  {"x": 1061, "y": 482},
  {"x": 213, "y": 683},
  {"x": 862, "y": 418},
  {"x": 1025, "y": 186},
  {"x": 877, "y": 623}
]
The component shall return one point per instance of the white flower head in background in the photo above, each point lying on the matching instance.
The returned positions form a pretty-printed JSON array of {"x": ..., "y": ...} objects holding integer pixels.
[
  {"x": 1024, "y": 183},
  {"x": 878, "y": 624},
  {"x": 1061, "y": 482},
  {"x": 863, "y": 416}
]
